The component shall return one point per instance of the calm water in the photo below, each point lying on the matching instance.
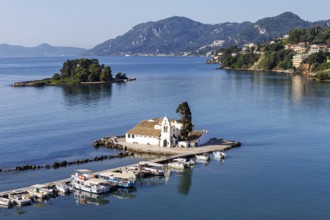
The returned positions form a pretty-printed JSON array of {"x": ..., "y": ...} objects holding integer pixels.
[{"x": 282, "y": 171}]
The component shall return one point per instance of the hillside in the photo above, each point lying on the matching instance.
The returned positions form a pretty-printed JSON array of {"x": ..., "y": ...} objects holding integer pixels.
[
  {"x": 171, "y": 35},
  {"x": 183, "y": 36},
  {"x": 43, "y": 50},
  {"x": 303, "y": 51}
]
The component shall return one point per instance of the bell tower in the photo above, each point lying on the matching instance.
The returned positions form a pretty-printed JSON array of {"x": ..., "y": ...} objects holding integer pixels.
[{"x": 166, "y": 133}]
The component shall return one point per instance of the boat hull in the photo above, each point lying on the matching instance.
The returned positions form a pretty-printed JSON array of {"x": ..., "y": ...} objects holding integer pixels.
[{"x": 95, "y": 190}]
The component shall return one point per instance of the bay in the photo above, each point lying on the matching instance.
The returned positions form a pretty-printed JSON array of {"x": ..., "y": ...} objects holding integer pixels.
[{"x": 280, "y": 172}]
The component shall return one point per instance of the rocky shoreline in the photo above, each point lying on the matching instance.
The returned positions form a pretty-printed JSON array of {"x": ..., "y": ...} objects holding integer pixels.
[
  {"x": 118, "y": 142},
  {"x": 47, "y": 82}
]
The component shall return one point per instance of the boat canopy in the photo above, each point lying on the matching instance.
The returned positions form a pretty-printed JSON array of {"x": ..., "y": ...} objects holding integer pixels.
[
  {"x": 96, "y": 181},
  {"x": 152, "y": 164}
]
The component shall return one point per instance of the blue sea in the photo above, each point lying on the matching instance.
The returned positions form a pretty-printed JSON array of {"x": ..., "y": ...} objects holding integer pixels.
[{"x": 281, "y": 171}]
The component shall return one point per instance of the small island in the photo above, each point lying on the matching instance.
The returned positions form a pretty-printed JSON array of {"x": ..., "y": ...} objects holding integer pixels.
[{"x": 79, "y": 71}]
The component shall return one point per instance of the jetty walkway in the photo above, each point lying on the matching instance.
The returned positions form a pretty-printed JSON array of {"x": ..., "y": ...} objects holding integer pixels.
[{"x": 171, "y": 153}]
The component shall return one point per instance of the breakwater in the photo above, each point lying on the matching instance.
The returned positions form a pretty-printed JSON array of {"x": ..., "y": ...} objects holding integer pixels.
[{"x": 65, "y": 163}]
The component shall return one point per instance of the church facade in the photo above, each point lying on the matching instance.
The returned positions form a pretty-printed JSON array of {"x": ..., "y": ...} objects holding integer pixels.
[{"x": 161, "y": 132}]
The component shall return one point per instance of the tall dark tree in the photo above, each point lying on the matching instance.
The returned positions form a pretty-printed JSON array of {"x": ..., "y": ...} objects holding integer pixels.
[{"x": 185, "y": 113}]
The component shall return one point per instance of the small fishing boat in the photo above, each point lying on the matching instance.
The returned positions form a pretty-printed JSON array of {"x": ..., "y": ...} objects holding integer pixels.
[
  {"x": 62, "y": 188},
  {"x": 125, "y": 180},
  {"x": 219, "y": 154},
  {"x": 176, "y": 165},
  {"x": 203, "y": 157},
  {"x": 184, "y": 161},
  {"x": 39, "y": 191},
  {"x": 151, "y": 168},
  {"x": 20, "y": 198},
  {"x": 180, "y": 160},
  {"x": 85, "y": 180},
  {"x": 5, "y": 202}
]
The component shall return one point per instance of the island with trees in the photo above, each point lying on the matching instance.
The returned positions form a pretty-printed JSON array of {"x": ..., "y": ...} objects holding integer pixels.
[
  {"x": 80, "y": 71},
  {"x": 301, "y": 51}
]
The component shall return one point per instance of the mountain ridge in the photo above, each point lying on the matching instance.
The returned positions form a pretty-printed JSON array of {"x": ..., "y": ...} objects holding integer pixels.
[
  {"x": 42, "y": 50},
  {"x": 178, "y": 35}
]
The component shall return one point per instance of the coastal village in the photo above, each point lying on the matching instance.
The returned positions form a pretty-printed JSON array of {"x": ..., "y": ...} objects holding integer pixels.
[{"x": 285, "y": 54}]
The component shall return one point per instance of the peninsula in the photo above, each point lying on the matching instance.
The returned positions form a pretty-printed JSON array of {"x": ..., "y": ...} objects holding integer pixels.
[{"x": 79, "y": 71}]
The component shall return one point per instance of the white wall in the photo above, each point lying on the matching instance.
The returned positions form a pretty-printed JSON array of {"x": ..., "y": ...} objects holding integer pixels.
[{"x": 142, "y": 140}]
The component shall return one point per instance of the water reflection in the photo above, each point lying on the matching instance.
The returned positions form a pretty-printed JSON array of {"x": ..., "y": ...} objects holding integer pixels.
[
  {"x": 84, "y": 198},
  {"x": 185, "y": 180},
  {"x": 292, "y": 87},
  {"x": 153, "y": 181},
  {"x": 82, "y": 94},
  {"x": 124, "y": 193}
]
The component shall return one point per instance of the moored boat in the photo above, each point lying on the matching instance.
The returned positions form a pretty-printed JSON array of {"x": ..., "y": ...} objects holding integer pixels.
[
  {"x": 62, "y": 188},
  {"x": 176, "y": 165},
  {"x": 219, "y": 154},
  {"x": 184, "y": 161},
  {"x": 39, "y": 191},
  {"x": 20, "y": 198},
  {"x": 152, "y": 168},
  {"x": 203, "y": 157},
  {"x": 5, "y": 202},
  {"x": 85, "y": 180},
  {"x": 119, "y": 179}
]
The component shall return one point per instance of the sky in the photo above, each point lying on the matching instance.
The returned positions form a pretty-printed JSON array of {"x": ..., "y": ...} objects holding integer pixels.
[{"x": 86, "y": 23}]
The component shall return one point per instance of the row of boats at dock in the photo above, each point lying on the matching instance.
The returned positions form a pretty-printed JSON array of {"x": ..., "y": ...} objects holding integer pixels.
[{"x": 101, "y": 182}]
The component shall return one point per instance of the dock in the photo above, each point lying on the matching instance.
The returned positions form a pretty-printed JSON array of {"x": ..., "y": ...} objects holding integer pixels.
[{"x": 176, "y": 153}]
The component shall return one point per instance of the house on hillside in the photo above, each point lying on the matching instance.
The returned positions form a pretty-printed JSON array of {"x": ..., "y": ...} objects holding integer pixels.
[
  {"x": 298, "y": 48},
  {"x": 163, "y": 132},
  {"x": 298, "y": 59}
]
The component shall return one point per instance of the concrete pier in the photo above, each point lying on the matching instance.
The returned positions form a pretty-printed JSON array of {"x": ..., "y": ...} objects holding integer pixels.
[{"x": 171, "y": 153}]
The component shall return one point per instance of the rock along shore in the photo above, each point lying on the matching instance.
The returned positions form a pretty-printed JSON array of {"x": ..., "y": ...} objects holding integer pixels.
[
  {"x": 119, "y": 143},
  {"x": 65, "y": 163}
]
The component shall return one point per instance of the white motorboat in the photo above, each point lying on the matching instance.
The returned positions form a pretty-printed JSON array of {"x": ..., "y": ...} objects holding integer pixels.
[
  {"x": 62, "y": 188},
  {"x": 184, "y": 161},
  {"x": 152, "y": 168},
  {"x": 203, "y": 157},
  {"x": 176, "y": 165},
  {"x": 219, "y": 154},
  {"x": 190, "y": 163},
  {"x": 85, "y": 180},
  {"x": 119, "y": 179},
  {"x": 180, "y": 160},
  {"x": 20, "y": 199},
  {"x": 5, "y": 202},
  {"x": 40, "y": 191}
]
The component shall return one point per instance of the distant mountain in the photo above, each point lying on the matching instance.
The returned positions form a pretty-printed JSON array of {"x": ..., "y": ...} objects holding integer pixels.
[
  {"x": 272, "y": 27},
  {"x": 43, "y": 50},
  {"x": 171, "y": 35},
  {"x": 179, "y": 35}
]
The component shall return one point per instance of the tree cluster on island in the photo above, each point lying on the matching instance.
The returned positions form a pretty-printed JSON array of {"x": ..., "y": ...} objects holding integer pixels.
[
  {"x": 184, "y": 111},
  {"x": 83, "y": 70},
  {"x": 277, "y": 54},
  {"x": 79, "y": 71}
]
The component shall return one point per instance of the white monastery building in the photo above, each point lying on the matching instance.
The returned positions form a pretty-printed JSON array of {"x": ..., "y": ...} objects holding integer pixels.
[{"x": 162, "y": 132}]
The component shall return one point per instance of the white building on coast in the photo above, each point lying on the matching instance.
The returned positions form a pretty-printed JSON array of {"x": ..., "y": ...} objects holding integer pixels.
[{"x": 162, "y": 132}]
